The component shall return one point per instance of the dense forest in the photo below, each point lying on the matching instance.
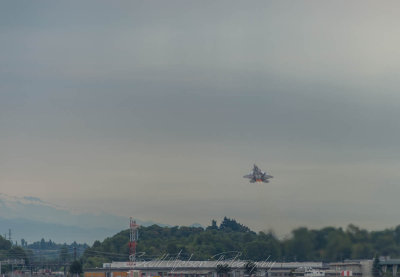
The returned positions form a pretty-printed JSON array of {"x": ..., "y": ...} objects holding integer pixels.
[{"x": 326, "y": 244}]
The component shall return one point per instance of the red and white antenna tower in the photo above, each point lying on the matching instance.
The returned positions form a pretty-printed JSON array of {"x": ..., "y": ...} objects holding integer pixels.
[{"x": 133, "y": 237}]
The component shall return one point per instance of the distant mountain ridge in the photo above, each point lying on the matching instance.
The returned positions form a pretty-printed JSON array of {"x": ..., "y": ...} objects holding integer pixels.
[
  {"x": 33, "y": 219},
  {"x": 33, "y": 231}
]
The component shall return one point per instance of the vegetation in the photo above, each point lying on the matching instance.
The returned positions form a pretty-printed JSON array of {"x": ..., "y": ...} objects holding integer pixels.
[
  {"x": 230, "y": 238},
  {"x": 54, "y": 256},
  {"x": 326, "y": 244},
  {"x": 376, "y": 268},
  {"x": 76, "y": 268},
  {"x": 223, "y": 270},
  {"x": 250, "y": 268},
  {"x": 38, "y": 254},
  {"x": 8, "y": 251}
]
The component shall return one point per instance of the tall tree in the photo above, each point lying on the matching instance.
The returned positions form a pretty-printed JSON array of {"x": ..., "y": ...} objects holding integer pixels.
[
  {"x": 76, "y": 268},
  {"x": 376, "y": 268}
]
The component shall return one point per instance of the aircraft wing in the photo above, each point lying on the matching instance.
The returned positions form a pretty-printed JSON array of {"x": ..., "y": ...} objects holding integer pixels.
[
  {"x": 265, "y": 175},
  {"x": 249, "y": 176}
]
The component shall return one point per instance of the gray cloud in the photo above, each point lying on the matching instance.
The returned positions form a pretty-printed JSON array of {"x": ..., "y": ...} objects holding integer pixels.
[{"x": 161, "y": 107}]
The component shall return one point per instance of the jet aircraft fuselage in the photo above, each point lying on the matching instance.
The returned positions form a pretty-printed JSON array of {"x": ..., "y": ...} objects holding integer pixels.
[{"x": 258, "y": 176}]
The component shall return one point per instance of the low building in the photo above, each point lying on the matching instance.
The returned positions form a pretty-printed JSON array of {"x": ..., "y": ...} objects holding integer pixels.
[{"x": 178, "y": 268}]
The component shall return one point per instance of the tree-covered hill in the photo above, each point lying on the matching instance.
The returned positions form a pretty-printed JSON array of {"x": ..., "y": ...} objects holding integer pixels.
[{"x": 327, "y": 244}]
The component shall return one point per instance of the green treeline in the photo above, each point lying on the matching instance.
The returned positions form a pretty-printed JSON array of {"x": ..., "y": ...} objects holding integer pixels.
[
  {"x": 40, "y": 254},
  {"x": 196, "y": 243},
  {"x": 326, "y": 244},
  {"x": 8, "y": 251}
]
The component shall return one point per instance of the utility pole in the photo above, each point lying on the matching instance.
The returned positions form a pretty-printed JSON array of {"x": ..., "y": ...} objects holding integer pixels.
[
  {"x": 74, "y": 253},
  {"x": 41, "y": 260},
  {"x": 133, "y": 237}
]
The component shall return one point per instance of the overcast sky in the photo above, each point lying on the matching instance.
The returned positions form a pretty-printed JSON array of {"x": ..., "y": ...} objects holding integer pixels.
[{"x": 156, "y": 109}]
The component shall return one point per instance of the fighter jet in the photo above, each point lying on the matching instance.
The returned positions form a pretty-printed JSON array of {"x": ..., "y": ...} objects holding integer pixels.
[{"x": 258, "y": 176}]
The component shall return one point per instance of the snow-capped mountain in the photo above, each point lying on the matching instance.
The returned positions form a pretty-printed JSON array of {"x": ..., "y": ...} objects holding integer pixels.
[{"x": 33, "y": 219}]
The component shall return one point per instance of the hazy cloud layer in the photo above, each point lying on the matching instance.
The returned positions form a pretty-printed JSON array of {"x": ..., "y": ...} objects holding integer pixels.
[{"x": 156, "y": 109}]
